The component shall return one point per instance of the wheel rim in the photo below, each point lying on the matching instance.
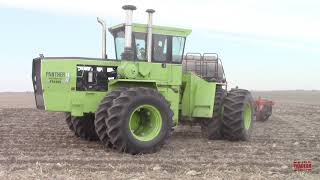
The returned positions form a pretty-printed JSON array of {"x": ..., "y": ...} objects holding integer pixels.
[
  {"x": 247, "y": 116},
  {"x": 145, "y": 123}
]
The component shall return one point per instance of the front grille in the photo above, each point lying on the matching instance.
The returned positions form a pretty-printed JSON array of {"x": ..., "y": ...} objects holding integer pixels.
[{"x": 36, "y": 80}]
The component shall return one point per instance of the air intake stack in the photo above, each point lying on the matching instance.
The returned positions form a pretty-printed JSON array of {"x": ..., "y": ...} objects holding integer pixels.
[
  {"x": 128, "y": 51},
  {"x": 149, "y": 40}
]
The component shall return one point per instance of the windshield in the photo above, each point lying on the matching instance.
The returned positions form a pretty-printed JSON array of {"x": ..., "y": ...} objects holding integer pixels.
[
  {"x": 139, "y": 45},
  {"x": 164, "y": 48}
]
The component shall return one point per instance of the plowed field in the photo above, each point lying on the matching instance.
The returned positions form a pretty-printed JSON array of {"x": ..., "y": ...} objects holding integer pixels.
[{"x": 38, "y": 144}]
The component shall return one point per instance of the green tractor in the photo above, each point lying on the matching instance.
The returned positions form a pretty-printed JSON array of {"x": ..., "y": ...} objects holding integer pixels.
[{"x": 132, "y": 103}]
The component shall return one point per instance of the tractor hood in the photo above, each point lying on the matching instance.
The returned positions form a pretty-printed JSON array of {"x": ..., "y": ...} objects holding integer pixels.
[
  {"x": 77, "y": 85},
  {"x": 56, "y": 78}
]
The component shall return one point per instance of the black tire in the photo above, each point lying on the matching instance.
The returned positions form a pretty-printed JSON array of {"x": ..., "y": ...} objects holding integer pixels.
[
  {"x": 84, "y": 127},
  {"x": 234, "y": 104},
  {"x": 67, "y": 117},
  {"x": 119, "y": 117},
  {"x": 268, "y": 112},
  {"x": 211, "y": 128},
  {"x": 102, "y": 114},
  {"x": 265, "y": 113}
]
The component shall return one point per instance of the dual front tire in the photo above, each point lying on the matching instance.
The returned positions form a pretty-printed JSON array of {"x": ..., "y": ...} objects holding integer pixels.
[
  {"x": 132, "y": 120},
  {"x": 136, "y": 120}
]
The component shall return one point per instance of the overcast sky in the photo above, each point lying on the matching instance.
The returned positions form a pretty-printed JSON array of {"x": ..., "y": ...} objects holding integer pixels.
[{"x": 264, "y": 45}]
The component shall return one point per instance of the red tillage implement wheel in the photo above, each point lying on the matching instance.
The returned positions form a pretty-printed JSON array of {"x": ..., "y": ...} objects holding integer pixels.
[{"x": 263, "y": 109}]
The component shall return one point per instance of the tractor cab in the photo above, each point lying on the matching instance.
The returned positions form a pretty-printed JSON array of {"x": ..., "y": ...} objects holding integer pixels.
[
  {"x": 160, "y": 44},
  {"x": 167, "y": 46},
  {"x": 167, "y": 43}
]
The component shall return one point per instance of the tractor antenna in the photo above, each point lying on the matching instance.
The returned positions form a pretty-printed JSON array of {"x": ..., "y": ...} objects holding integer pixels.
[
  {"x": 104, "y": 36},
  {"x": 149, "y": 42},
  {"x": 128, "y": 52}
]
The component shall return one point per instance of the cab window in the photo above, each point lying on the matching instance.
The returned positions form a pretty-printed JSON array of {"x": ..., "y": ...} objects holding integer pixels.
[
  {"x": 168, "y": 48},
  {"x": 160, "y": 48},
  {"x": 119, "y": 43},
  {"x": 140, "y": 46},
  {"x": 177, "y": 49}
]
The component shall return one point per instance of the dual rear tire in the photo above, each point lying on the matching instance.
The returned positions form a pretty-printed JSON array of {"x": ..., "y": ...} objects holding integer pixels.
[
  {"x": 238, "y": 115},
  {"x": 211, "y": 128},
  {"x": 232, "y": 117}
]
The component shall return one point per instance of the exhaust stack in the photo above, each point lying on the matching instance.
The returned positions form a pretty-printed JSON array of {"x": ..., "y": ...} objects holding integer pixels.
[
  {"x": 104, "y": 36},
  {"x": 149, "y": 40},
  {"x": 128, "y": 52}
]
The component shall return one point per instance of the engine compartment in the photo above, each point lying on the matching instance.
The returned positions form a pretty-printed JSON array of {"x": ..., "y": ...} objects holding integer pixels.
[{"x": 94, "y": 78}]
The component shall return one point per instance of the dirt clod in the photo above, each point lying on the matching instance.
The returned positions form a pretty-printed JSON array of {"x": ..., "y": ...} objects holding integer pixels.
[
  {"x": 156, "y": 168},
  {"x": 193, "y": 173}
]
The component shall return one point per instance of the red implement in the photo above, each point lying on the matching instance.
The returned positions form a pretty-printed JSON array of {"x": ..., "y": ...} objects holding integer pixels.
[{"x": 263, "y": 109}]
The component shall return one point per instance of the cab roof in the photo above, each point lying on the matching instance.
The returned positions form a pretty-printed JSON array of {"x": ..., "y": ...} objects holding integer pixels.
[{"x": 163, "y": 30}]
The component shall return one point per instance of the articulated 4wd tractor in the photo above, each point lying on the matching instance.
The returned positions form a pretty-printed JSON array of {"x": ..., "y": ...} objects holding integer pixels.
[{"x": 132, "y": 103}]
